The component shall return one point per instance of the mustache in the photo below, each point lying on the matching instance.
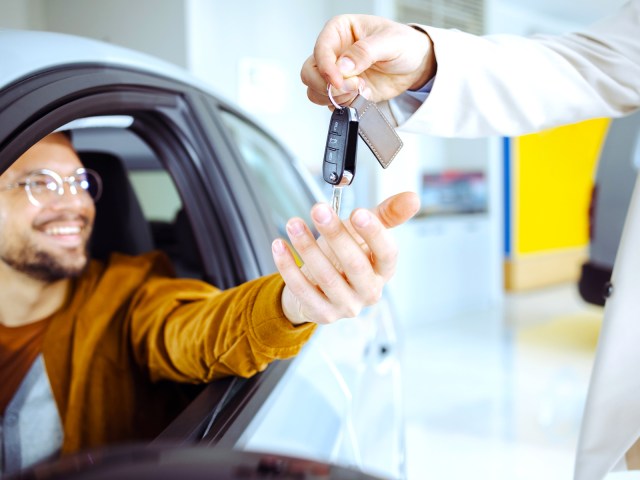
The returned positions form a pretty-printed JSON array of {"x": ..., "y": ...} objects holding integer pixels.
[{"x": 61, "y": 217}]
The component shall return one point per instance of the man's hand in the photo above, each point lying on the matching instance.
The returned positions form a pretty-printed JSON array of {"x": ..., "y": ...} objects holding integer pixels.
[
  {"x": 346, "y": 268},
  {"x": 382, "y": 57}
]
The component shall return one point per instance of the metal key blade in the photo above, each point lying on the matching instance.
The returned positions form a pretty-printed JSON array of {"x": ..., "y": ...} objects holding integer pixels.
[
  {"x": 336, "y": 192},
  {"x": 336, "y": 199}
]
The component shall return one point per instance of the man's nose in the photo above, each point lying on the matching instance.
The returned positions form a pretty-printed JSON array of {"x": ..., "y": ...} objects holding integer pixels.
[{"x": 72, "y": 197}]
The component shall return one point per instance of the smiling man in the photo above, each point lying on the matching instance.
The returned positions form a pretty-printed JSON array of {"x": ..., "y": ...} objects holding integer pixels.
[
  {"x": 50, "y": 233},
  {"x": 91, "y": 353}
]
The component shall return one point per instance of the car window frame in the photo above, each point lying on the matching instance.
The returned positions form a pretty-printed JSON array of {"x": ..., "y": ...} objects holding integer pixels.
[{"x": 166, "y": 120}]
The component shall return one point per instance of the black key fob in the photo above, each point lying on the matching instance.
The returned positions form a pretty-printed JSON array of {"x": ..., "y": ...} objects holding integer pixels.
[{"x": 341, "y": 148}]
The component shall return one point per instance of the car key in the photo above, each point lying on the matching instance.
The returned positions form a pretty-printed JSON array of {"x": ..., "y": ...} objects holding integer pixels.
[
  {"x": 342, "y": 142},
  {"x": 339, "y": 164}
]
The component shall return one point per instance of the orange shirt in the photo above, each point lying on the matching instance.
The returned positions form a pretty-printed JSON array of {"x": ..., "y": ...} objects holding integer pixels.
[{"x": 19, "y": 347}]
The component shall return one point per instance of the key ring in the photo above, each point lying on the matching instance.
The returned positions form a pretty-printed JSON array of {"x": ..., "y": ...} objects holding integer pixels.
[
  {"x": 339, "y": 107},
  {"x": 335, "y": 104}
]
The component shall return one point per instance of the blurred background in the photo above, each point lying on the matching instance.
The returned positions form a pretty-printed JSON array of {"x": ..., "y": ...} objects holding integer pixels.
[{"x": 498, "y": 345}]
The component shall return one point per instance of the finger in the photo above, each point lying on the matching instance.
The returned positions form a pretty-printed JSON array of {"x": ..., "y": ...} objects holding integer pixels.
[
  {"x": 317, "y": 85},
  {"x": 332, "y": 40},
  {"x": 380, "y": 41},
  {"x": 331, "y": 58},
  {"x": 316, "y": 262},
  {"x": 303, "y": 300},
  {"x": 397, "y": 209},
  {"x": 318, "y": 98},
  {"x": 350, "y": 257},
  {"x": 312, "y": 78},
  {"x": 380, "y": 242},
  {"x": 321, "y": 98}
]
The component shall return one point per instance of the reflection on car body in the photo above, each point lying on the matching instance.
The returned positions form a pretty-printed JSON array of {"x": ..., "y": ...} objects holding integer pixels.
[{"x": 194, "y": 175}]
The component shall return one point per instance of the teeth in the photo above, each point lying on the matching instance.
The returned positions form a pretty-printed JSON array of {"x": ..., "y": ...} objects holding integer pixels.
[{"x": 63, "y": 231}]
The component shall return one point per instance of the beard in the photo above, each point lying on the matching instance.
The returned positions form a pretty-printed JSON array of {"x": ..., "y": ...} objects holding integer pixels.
[{"x": 42, "y": 265}]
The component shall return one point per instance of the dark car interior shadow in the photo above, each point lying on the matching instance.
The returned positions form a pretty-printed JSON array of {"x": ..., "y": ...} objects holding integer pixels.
[{"x": 120, "y": 224}]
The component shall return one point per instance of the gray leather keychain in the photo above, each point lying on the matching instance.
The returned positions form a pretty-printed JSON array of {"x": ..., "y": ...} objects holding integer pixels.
[{"x": 376, "y": 131}]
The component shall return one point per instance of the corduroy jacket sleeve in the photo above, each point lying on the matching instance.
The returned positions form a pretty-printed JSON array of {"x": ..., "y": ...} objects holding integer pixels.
[{"x": 189, "y": 331}]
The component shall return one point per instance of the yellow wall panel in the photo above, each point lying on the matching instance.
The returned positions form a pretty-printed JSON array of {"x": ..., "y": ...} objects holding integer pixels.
[{"x": 553, "y": 177}]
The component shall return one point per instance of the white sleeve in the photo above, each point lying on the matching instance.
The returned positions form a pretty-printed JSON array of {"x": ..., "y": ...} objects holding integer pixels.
[{"x": 511, "y": 85}]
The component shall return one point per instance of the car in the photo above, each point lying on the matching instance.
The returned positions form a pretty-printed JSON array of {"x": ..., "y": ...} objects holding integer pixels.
[
  {"x": 193, "y": 174},
  {"x": 614, "y": 181}
]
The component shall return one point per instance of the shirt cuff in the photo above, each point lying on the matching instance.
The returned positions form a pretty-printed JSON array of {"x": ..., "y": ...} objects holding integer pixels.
[
  {"x": 423, "y": 92},
  {"x": 270, "y": 327},
  {"x": 407, "y": 103}
]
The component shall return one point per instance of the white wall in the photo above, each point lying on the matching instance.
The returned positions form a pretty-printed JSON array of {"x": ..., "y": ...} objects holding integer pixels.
[
  {"x": 156, "y": 28},
  {"x": 21, "y": 14},
  {"x": 251, "y": 52}
]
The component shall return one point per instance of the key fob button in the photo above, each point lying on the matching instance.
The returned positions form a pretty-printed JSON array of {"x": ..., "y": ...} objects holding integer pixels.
[
  {"x": 332, "y": 155},
  {"x": 336, "y": 128},
  {"x": 341, "y": 145},
  {"x": 329, "y": 173}
]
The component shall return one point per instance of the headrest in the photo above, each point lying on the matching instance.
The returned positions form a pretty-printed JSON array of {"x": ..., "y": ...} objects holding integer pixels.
[{"x": 120, "y": 225}]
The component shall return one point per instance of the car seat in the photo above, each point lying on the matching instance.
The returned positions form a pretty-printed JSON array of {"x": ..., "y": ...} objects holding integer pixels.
[
  {"x": 120, "y": 224},
  {"x": 186, "y": 261},
  {"x": 177, "y": 240}
]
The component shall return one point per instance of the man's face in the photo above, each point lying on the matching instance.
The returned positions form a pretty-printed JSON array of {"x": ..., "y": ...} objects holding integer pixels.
[{"x": 49, "y": 241}]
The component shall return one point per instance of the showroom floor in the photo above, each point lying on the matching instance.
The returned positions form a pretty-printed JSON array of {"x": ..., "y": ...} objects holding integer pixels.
[{"x": 499, "y": 394}]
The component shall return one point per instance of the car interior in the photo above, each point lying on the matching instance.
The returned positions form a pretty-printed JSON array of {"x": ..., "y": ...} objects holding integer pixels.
[{"x": 121, "y": 223}]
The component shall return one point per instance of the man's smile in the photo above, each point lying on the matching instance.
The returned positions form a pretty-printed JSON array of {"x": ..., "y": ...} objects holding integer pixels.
[
  {"x": 64, "y": 230},
  {"x": 68, "y": 233}
]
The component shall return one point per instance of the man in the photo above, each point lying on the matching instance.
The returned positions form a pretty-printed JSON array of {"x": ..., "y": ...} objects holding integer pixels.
[
  {"x": 465, "y": 85},
  {"x": 89, "y": 352}
]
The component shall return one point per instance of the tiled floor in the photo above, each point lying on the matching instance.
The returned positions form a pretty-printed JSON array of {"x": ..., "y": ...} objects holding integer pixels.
[{"x": 499, "y": 394}]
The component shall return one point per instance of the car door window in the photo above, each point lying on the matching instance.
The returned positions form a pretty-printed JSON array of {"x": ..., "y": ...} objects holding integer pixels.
[
  {"x": 279, "y": 186},
  {"x": 157, "y": 193}
]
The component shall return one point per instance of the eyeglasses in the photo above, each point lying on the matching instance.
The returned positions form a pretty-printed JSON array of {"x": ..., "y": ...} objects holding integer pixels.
[{"x": 44, "y": 186}]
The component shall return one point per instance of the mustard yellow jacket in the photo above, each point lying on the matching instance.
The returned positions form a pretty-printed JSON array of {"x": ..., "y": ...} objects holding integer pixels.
[{"x": 129, "y": 331}]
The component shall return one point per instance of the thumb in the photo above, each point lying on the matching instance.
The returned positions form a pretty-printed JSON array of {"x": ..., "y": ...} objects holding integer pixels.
[
  {"x": 355, "y": 60},
  {"x": 397, "y": 209}
]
